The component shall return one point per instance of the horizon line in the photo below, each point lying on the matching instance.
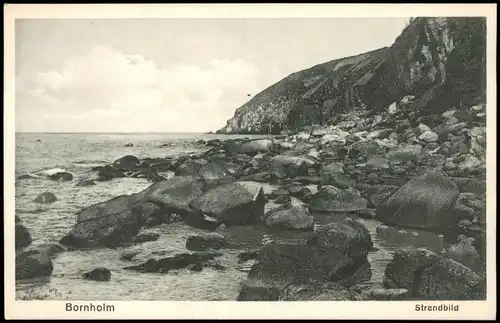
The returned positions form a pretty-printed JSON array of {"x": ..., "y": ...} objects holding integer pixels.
[{"x": 111, "y": 132}]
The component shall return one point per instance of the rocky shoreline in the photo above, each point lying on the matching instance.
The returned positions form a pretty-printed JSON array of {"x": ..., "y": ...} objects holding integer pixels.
[{"x": 407, "y": 171}]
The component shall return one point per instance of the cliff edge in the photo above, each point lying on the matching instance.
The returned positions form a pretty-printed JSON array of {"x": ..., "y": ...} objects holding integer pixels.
[{"x": 440, "y": 61}]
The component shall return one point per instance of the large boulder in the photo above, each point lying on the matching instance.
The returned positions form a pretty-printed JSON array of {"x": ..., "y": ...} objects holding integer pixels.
[
  {"x": 33, "y": 263},
  {"x": 108, "y": 224},
  {"x": 283, "y": 166},
  {"x": 294, "y": 215},
  {"x": 424, "y": 202},
  {"x": 173, "y": 195},
  {"x": 334, "y": 252},
  {"x": 332, "y": 199},
  {"x": 237, "y": 203},
  {"x": 430, "y": 276},
  {"x": 342, "y": 247}
]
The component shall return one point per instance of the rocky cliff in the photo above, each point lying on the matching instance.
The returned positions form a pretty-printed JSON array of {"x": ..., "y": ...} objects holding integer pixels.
[{"x": 441, "y": 62}]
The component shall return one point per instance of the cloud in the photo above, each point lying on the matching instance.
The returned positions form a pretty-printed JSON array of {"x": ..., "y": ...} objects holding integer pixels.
[{"x": 106, "y": 86}]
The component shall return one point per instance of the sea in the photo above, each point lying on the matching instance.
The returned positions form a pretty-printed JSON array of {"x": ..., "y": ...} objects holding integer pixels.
[{"x": 78, "y": 153}]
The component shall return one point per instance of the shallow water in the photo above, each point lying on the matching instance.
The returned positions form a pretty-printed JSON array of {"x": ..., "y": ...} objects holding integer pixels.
[{"x": 77, "y": 153}]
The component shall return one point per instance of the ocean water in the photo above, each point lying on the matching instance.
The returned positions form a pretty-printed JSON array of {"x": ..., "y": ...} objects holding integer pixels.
[{"x": 78, "y": 153}]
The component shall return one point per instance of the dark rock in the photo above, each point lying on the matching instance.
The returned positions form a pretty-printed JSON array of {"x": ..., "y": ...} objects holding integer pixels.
[
  {"x": 248, "y": 255},
  {"x": 279, "y": 192},
  {"x": 127, "y": 162},
  {"x": 179, "y": 261},
  {"x": 463, "y": 212},
  {"x": 238, "y": 203},
  {"x": 377, "y": 195},
  {"x": 465, "y": 252},
  {"x": 295, "y": 216},
  {"x": 206, "y": 241},
  {"x": 332, "y": 199},
  {"x": 258, "y": 290},
  {"x": 383, "y": 294},
  {"x": 22, "y": 236},
  {"x": 98, "y": 274},
  {"x": 424, "y": 202},
  {"x": 107, "y": 224},
  {"x": 86, "y": 182},
  {"x": 283, "y": 199},
  {"x": 330, "y": 171},
  {"x": 427, "y": 275},
  {"x": 367, "y": 213},
  {"x": 342, "y": 181},
  {"x": 406, "y": 153},
  {"x": 128, "y": 255},
  {"x": 471, "y": 185},
  {"x": 149, "y": 213},
  {"x": 318, "y": 291},
  {"x": 173, "y": 195},
  {"x": 108, "y": 172},
  {"x": 212, "y": 143},
  {"x": 129, "y": 145},
  {"x": 26, "y": 176},
  {"x": 33, "y": 263},
  {"x": 333, "y": 252},
  {"x": 189, "y": 168},
  {"x": 297, "y": 190},
  {"x": 45, "y": 198},
  {"x": 288, "y": 166},
  {"x": 308, "y": 179},
  {"x": 61, "y": 176},
  {"x": 216, "y": 172},
  {"x": 146, "y": 237},
  {"x": 215, "y": 265},
  {"x": 196, "y": 267},
  {"x": 161, "y": 165},
  {"x": 50, "y": 249},
  {"x": 256, "y": 146}
]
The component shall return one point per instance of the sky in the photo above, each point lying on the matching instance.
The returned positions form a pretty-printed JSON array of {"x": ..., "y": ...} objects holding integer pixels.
[{"x": 169, "y": 75}]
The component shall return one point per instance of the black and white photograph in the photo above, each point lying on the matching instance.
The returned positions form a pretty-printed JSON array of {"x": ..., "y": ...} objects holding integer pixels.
[{"x": 251, "y": 159}]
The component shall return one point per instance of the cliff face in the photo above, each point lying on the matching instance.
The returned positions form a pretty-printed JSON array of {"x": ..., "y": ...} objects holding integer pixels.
[{"x": 439, "y": 61}]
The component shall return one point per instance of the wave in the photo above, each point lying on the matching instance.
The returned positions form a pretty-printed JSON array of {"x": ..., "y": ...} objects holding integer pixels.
[{"x": 51, "y": 171}]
